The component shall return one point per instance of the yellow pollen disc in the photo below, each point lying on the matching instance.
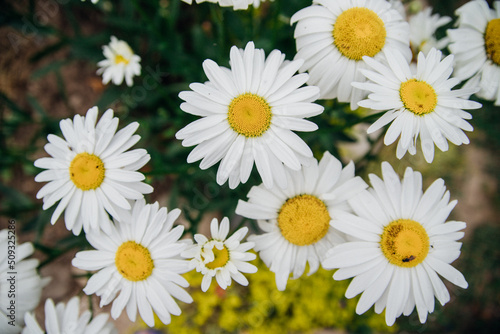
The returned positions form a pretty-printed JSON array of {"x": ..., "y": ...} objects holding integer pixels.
[
  {"x": 303, "y": 220},
  {"x": 134, "y": 261},
  {"x": 418, "y": 97},
  {"x": 492, "y": 40},
  {"x": 359, "y": 32},
  {"x": 249, "y": 115},
  {"x": 221, "y": 257},
  {"x": 405, "y": 243},
  {"x": 119, "y": 59},
  {"x": 86, "y": 171}
]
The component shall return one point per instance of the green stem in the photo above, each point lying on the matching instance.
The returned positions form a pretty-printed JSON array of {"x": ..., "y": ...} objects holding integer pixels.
[
  {"x": 218, "y": 17},
  {"x": 376, "y": 146},
  {"x": 91, "y": 306}
]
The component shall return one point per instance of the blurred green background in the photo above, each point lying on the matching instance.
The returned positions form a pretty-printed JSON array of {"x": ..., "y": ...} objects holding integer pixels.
[{"x": 49, "y": 50}]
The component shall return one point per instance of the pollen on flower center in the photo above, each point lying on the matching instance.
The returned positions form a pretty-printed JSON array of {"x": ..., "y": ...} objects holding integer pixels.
[
  {"x": 359, "y": 32},
  {"x": 418, "y": 97},
  {"x": 405, "y": 243},
  {"x": 119, "y": 59},
  {"x": 86, "y": 171},
  {"x": 134, "y": 261},
  {"x": 249, "y": 115},
  {"x": 492, "y": 40},
  {"x": 303, "y": 220},
  {"x": 221, "y": 257}
]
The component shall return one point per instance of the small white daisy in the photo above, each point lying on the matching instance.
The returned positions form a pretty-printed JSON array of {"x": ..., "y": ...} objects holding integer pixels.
[
  {"x": 476, "y": 46},
  {"x": 403, "y": 242},
  {"x": 221, "y": 257},
  {"x": 297, "y": 220},
  {"x": 332, "y": 36},
  {"x": 420, "y": 103},
  {"x": 423, "y": 27},
  {"x": 90, "y": 171},
  {"x": 64, "y": 319},
  {"x": 120, "y": 62},
  {"x": 19, "y": 282},
  {"x": 140, "y": 260},
  {"x": 248, "y": 115},
  {"x": 236, "y": 4}
]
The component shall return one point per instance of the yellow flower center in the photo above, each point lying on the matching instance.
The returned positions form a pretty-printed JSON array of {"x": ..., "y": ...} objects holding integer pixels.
[
  {"x": 119, "y": 59},
  {"x": 134, "y": 261},
  {"x": 405, "y": 243},
  {"x": 418, "y": 97},
  {"x": 303, "y": 220},
  {"x": 359, "y": 32},
  {"x": 221, "y": 257},
  {"x": 249, "y": 115},
  {"x": 86, "y": 171},
  {"x": 492, "y": 40}
]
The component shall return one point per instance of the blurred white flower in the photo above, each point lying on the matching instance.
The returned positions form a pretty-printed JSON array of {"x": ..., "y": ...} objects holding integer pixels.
[
  {"x": 423, "y": 26},
  {"x": 19, "y": 282},
  {"x": 476, "y": 46},
  {"x": 120, "y": 63},
  {"x": 63, "y": 319},
  {"x": 236, "y": 4}
]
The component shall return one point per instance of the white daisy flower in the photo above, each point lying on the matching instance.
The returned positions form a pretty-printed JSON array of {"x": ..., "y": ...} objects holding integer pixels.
[
  {"x": 420, "y": 103},
  {"x": 93, "y": 1},
  {"x": 297, "y": 220},
  {"x": 249, "y": 112},
  {"x": 64, "y": 319},
  {"x": 120, "y": 62},
  {"x": 476, "y": 46},
  {"x": 236, "y": 4},
  {"x": 19, "y": 282},
  {"x": 403, "y": 242},
  {"x": 423, "y": 27},
  {"x": 221, "y": 257},
  {"x": 90, "y": 171},
  {"x": 140, "y": 259},
  {"x": 332, "y": 36}
]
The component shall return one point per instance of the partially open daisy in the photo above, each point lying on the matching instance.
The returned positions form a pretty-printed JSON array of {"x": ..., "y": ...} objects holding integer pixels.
[
  {"x": 423, "y": 27},
  {"x": 420, "y": 103},
  {"x": 65, "y": 319},
  {"x": 120, "y": 63},
  {"x": 332, "y": 36},
  {"x": 403, "y": 242},
  {"x": 20, "y": 284},
  {"x": 140, "y": 260},
  {"x": 91, "y": 172},
  {"x": 249, "y": 112},
  {"x": 297, "y": 220},
  {"x": 221, "y": 257},
  {"x": 476, "y": 46}
]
